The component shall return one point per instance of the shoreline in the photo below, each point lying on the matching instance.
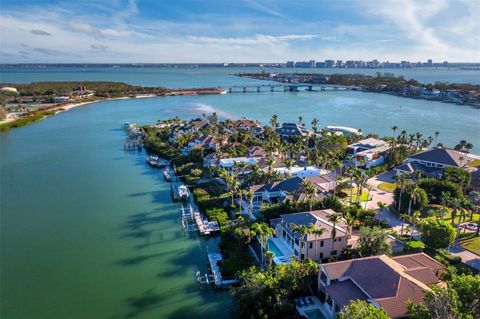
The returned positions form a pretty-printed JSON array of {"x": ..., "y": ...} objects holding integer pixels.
[{"x": 69, "y": 106}]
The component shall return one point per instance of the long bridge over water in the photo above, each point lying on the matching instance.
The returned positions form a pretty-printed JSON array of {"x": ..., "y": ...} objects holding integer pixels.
[{"x": 288, "y": 87}]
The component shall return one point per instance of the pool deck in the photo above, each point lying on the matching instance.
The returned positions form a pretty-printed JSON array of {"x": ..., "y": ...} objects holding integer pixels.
[
  {"x": 287, "y": 252},
  {"x": 316, "y": 305}
]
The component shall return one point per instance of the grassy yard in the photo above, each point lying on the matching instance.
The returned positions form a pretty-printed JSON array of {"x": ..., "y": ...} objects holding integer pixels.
[
  {"x": 363, "y": 196},
  {"x": 448, "y": 216},
  {"x": 471, "y": 242},
  {"x": 415, "y": 244},
  {"x": 387, "y": 187}
]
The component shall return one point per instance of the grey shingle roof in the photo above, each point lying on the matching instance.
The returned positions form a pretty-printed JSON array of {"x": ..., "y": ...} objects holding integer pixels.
[{"x": 443, "y": 156}]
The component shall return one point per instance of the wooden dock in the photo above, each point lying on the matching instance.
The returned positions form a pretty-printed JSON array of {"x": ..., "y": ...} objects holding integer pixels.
[
  {"x": 215, "y": 275},
  {"x": 204, "y": 226}
]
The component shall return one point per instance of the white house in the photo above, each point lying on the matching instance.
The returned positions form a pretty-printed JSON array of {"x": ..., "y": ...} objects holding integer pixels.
[
  {"x": 301, "y": 172},
  {"x": 369, "y": 152}
]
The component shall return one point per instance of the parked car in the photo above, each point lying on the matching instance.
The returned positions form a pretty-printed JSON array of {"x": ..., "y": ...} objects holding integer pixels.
[{"x": 470, "y": 226}]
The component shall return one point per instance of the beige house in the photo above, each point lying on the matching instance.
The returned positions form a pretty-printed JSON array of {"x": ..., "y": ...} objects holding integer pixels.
[{"x": 315, "y": 247}]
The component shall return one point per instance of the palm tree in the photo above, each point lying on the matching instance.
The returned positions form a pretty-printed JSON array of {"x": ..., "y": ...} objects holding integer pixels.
[
  {"x": 249, "y": 195},
  {"x": 300, "y": 120},
  {"x": 334, "y": 219},
  {"x": 435, "y": 140},
  {"x": 274, "y": 121},
  {"x": 315, "y": 125},
  {"x": 303, "y": 232},
  {"x": 317, "y": 233},
  {"x": 269, "y": 256},
  {"x": 381, "y": 207},
  {"x": 445, "y": 200},
  {"x": 263, "y": 231},
  {"x": 231, "y": 182},
  {"x": 414, "y": 219},
  {"x": 394, "y": 129},
  {"x": 414, "y": 198},
  {"x": 288, "y": 165},
  {"x": 351, "y": 220},
  {"x": 369, "y": 188},
  {"x": 404, "y": 218},
  {"x": 309, "y": 190}
]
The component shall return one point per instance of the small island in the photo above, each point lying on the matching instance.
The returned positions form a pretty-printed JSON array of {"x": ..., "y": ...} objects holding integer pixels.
[{"x": 308, "y": 216}]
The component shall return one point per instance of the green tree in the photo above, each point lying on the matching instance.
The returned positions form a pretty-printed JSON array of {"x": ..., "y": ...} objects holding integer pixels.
[
  {"x": 270, "y": 294},
  {"x": 436, "y": 233},
  {"x": 263, "y": 231},
  {"x": 457, "y": 175},
  {"x": 460, "y": 299},
  {"x": 373, "y": 242},
  {"x": 359, "y": 309}
]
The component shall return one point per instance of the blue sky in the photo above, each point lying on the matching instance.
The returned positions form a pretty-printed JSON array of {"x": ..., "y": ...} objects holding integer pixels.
[{"x": 135, "y": 31}]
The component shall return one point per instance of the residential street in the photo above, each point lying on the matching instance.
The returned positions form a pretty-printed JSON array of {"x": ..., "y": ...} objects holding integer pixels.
[{"x": 469, "y": 258}]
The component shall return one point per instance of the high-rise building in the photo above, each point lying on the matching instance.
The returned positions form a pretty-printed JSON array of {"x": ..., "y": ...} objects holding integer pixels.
[
  {"x": 429, "y": 62},
  {"x": 329, "y": 63},
  {"x": 312, "y": 63},
  {"x": 290, "y": 64}
]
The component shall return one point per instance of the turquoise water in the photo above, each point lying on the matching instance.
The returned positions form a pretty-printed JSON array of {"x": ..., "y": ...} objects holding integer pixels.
[
  {"x": 274, "y": 249},
  {"x": 88, "y": 231},
  {"x": 211, "y": 77}
]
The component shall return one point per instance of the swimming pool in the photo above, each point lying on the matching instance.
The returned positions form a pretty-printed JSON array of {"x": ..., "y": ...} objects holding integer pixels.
[
  {"x": 314, "y": 314},
  {"x": 274, "y": 249}
]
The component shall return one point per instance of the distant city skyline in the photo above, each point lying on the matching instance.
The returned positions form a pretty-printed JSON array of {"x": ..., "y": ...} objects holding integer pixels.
[{"x": 246, "y": 31}]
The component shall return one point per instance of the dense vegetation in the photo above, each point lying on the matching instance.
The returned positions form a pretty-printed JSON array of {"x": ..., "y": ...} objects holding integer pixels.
[{"x": 101, "y": 88}]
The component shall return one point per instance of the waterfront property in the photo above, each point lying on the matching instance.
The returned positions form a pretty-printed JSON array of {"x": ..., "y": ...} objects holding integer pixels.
[
  {"x": 230, "y": 163},
  {"x": 204, "y": 141},
  {"x": 382, "y": 281},
  {"x": 276, "y": 192},
  {"x": 288, "y": 130},
  {"x": 315, "y": 247},
  {"x": 368, "y": 153},
  {"x": 432, "y": 162}
]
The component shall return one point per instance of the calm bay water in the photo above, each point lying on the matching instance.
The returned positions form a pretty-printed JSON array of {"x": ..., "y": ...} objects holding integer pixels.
[{"x": 88, "y": 231}]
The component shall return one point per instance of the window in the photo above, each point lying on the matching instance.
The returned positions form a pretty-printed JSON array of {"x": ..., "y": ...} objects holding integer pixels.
[
  {"x": 321, "y": 243},
  {"x": 302, "y": 256},
  {"x": 302, "y": 245},
  {"x": 310, "y": 245},
  {"x": 296, "y": 241},
  {"x": 321, "y": 255},
  {"x": 295, "y": 252},
  {"x": 324, "y": 278},
  {"x": 284, "y": 233}
]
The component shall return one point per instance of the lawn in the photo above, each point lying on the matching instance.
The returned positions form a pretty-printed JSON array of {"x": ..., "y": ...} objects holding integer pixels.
[
  {"x": 387, "y": 187},
  {"x": 415, "y": 244},
  {"x": 471, "y": 242},
  {"x": 363, "y": 196},
  {"x": 448, "y": 216}
]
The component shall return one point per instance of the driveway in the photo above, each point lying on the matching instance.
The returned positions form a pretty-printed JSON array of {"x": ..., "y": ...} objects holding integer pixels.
[
  {"x": 377, "y": 194},
  {"x": 469, "y": 258}
]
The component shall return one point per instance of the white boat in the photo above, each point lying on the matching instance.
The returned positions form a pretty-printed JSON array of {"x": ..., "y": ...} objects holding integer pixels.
[{"x": 183, "y": 192}]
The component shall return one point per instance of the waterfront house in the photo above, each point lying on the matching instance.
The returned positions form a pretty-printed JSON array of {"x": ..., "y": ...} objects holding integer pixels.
[
  {"x": 315, "y": 247},
  {"x": 384, "y": 282},
  {"x": 277, "y": 192},
  {"x": 246, "y": 124},
  {"x": 367, "y": 153},
  {"x": 288, "y": 130},
  {"x": 432, "y": 162},
  {"x": 196, "y": 125},
  {"x": 207, "y": 142}
]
